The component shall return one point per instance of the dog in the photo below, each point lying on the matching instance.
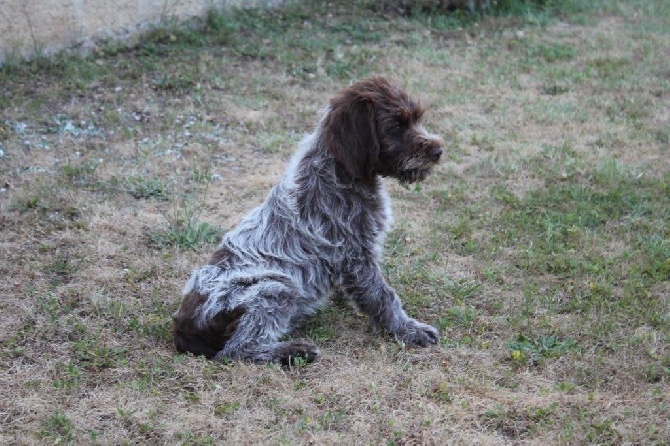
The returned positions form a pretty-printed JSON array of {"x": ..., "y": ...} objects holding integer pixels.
[{"x": 320, "y": 231}]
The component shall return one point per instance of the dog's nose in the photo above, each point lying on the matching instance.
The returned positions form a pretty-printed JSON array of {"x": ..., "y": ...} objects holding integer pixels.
[{"x": 435, "y": 152}]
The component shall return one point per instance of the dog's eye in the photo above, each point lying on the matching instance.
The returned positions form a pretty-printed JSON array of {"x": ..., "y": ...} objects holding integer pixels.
[
  {"x": 401, "y": 125},
  {"x": 398, "y": 128}
]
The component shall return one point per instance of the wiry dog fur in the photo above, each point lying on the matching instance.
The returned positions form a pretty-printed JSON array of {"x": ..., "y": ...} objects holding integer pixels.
[{"x": 320, "y": 230}]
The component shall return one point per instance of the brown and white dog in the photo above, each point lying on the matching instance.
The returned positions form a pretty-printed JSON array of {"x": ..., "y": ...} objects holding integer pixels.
[{"x": 321, "y": 230}]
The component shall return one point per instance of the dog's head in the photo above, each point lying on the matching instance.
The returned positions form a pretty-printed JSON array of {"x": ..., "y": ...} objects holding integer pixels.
[{"x": 374, "y": 128}]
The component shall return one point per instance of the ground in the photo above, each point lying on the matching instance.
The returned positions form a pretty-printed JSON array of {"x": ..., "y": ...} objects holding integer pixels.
[{"x": 540, "y": 247}]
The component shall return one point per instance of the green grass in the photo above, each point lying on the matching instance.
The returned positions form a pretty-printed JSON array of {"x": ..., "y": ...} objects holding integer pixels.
[
  {"x": 185, "y": 234},
  {"x": 185, "y": 229},
  {"x": 562, "y": 235},
  {"x": 275, "y": 35},
  {"x": 143, "y": 188},
  {"x": 58, "y": 428},
  {"x": 523, "y": 423},
  {"x": 535, "y": 350},
  {"x": 557, "y": 224}
]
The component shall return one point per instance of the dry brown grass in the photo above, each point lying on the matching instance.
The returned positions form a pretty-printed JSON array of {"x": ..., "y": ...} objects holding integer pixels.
[{"x": 108, "y": 162}]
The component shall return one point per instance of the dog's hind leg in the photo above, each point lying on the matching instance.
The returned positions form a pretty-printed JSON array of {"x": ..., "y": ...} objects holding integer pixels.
[
  {"x": 285, "y": 353},
  {"x": 256, "y": 338}
]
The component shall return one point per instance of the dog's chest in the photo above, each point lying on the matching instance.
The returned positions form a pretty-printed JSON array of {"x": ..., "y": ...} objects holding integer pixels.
[{"x": 385, "y": 211}]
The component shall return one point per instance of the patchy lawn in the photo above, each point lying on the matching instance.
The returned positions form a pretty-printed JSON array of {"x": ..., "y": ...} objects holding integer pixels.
[{"x": 540, "y": 247}]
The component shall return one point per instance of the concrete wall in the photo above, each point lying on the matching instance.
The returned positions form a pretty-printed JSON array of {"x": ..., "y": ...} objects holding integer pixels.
[{"x": 30, "y": 27}]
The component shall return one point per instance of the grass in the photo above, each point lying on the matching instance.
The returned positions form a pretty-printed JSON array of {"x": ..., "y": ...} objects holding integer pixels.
[
  {"x": 58, "y": 428},
  {"x": 540, "y": 247},
  {"x": 185, "y": 229}
]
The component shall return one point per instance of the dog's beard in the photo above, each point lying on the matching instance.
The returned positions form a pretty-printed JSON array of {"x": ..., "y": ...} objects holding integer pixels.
[
  {"x": 413, "y": 176},
  {"x": 414, "y": 170}
]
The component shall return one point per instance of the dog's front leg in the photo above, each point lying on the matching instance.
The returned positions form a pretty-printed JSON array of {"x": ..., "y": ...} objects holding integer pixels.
[{"x": 365, "y": 284}]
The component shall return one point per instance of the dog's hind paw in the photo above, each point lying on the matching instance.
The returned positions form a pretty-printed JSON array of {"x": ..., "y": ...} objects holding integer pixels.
[{"x": 287, "y": 353}]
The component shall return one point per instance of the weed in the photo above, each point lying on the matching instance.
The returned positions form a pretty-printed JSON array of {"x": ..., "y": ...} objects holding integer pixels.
[
  {"x": 274, "y": 143},
  {"x": 484, "y": 142},
  {"x": 185, "y": 228},
  {"x": 565, "y": 386},
  {"x": 168, "y": 82},
  {"x": 460, "y": 316},
  {"x": 83, "y": 175},
  {"x": 555, "y": 89},
  {"x": 92, "y": 353},
  {"x": 328, "y": 420},
  {"x": 58, "y": 428},
  {"x": 554, "y": 52},
  {"x": 298, "y": 362},
  {"x": 194, "y": 439},
  {"x": 520, "y": 423},
  {"x": 185, "y": 233},
  {"x": 144, "y": 188},
  {"x": 320, "y": 326},
  {"x": 152, "y": 371},
  {"x": 227, "y": 408},
  {"x": 541, "y": 10},
  {"x": 61, "y": 270},
  {"x": 332, "y": 419},
  {"x": 463, "y": 289},
  {"x": 70, "y": 375},
  {"x": 441, "y": 392},
  {"x": 49, "y": 208},
  {"x": 155, "y": 323},
  {"x": 534, "y": 350},
  {"x": 220, "y": 28},
  {"x": 659, "y": 372},
  {"x": 201, "y": 176},
  {"x": 26, "y": 204},
  {"x": 51, "y": 306},
  {"x": 460, "y": 234},
  {"x": 396, "y": 241},
  {"x": 609, "y": 67}
]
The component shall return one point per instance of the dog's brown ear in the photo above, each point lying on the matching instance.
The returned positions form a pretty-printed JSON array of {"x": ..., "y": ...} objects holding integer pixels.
[{"x": 350, "y": 134}]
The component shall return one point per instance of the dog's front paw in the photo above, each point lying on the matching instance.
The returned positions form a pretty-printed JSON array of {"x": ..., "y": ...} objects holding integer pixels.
[
  {"x": 291, "y": 353},
  {"x": 417, "y": 333}
]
